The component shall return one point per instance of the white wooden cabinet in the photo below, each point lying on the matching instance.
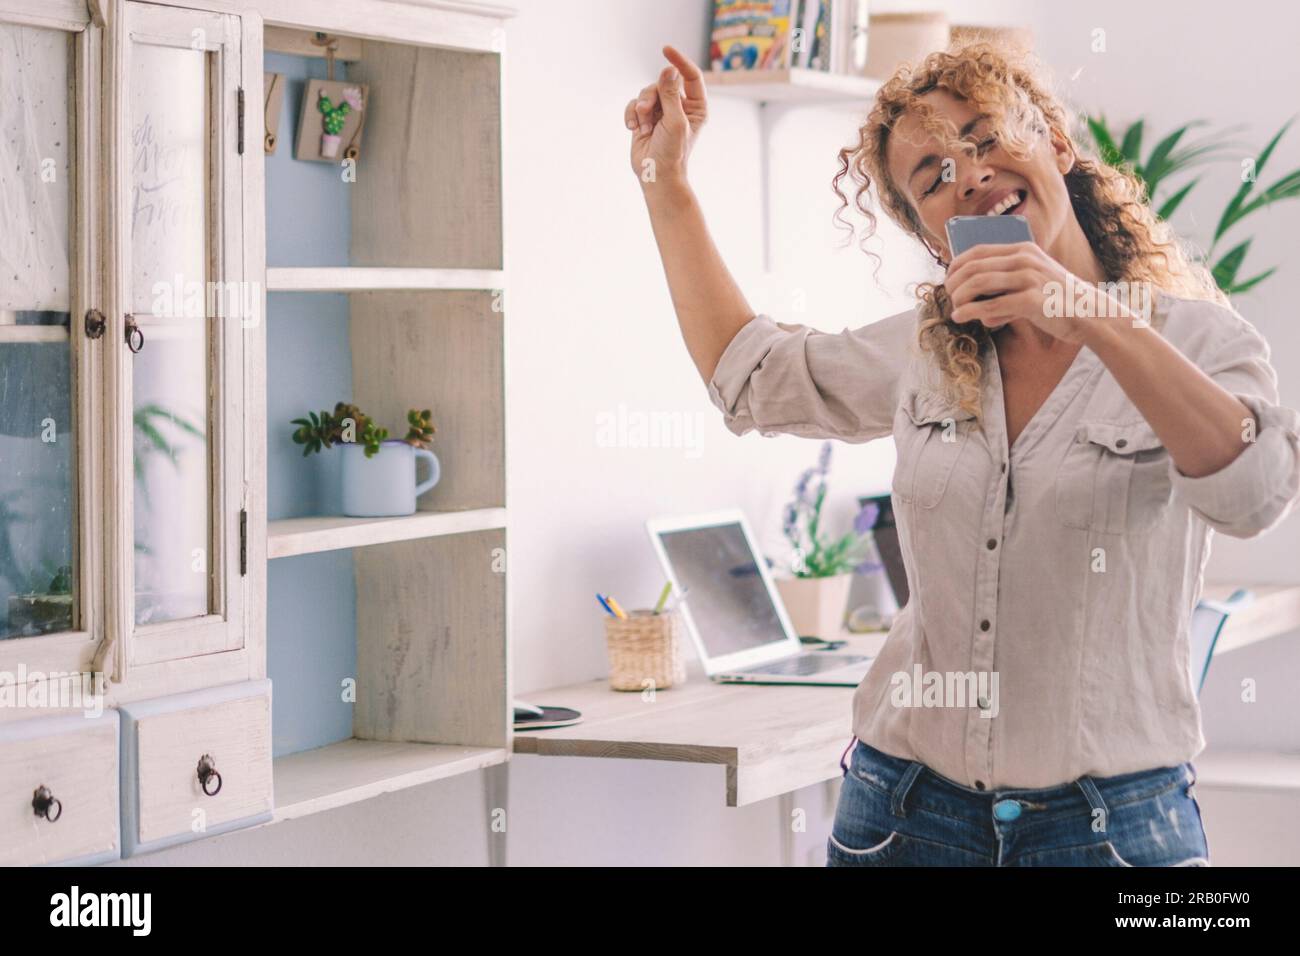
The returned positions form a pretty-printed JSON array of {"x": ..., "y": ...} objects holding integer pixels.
[{"x": 141, "y": 476}]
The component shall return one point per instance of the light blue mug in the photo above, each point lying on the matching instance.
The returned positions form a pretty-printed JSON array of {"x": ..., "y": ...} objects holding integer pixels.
[{"x": 384, "y": 486}]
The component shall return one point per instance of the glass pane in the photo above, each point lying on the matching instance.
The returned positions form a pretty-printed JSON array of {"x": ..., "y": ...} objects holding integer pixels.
[
  {"x": 38, "y": 579},
  {"x": 169, "y": 242}
]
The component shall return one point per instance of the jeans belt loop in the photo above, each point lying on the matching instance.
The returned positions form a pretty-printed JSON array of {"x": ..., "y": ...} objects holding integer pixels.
[
  {"x": 896, "y": 804},
  {"x": 1093, "y": 795}
]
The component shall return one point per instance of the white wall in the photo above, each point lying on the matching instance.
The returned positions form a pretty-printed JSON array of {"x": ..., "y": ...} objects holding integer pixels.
[{"x": 591, "y": 329}]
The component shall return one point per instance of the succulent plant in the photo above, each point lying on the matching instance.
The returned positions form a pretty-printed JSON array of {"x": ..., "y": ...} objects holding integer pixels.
[
  {"x": 421, "y": 430},
  {"x": 347, "y": 424}
]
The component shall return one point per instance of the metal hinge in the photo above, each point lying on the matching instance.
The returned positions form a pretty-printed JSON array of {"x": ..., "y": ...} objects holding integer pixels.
[
  {"x": 241, "y": 121},
  {"x": 243, "y": 542}
]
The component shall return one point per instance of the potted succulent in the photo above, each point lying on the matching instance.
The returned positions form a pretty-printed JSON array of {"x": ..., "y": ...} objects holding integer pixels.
[
  {"x": 378, "y": 473},
  {"x": 821, "y": 570}
]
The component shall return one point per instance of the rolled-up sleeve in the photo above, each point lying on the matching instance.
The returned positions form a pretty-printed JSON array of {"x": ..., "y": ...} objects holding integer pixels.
[
  {"x": 1259, "y": 487},
  {"x": 779, "y": 377}
]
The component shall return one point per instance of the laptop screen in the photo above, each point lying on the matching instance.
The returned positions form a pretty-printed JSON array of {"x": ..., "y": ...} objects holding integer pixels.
[{"x": 727, "y": 599}]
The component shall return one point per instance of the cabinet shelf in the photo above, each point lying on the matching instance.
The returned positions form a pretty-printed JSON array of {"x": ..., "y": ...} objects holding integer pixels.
[
  {"x": 292, "y": 536},
  {"x": 354, "y": 770},
  {"x": 367, "y": 278}
]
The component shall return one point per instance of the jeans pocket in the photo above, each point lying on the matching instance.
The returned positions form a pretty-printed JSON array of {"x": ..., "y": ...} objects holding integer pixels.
[
  {"x": 1163, "y": 830},
  {"x": 837, "y": 854}
]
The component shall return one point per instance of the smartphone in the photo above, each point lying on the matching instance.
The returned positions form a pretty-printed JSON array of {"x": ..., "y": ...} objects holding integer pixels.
[{"x": 967, "y": 231}]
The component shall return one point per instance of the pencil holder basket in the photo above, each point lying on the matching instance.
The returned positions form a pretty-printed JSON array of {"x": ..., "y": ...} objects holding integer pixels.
[{"x": 645, "y": 650}]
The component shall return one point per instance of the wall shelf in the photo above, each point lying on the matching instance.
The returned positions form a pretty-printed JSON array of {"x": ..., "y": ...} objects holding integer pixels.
[
  {"x": 363, "y": 279},
  {"x": 792, "y": 85},
  {"x": 288, "y": 537}
]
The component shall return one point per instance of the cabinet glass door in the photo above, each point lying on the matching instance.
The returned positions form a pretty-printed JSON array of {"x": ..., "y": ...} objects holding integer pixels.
[
  {"x": 182, "y": 328},
  {"x": 46, "y": 512}
]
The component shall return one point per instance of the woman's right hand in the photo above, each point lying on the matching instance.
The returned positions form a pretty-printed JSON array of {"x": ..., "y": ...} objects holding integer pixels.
[{"x": 665, "y": 120}]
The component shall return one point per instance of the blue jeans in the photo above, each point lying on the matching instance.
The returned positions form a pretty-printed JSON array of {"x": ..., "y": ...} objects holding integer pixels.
[{"x": 895, "y": 812}]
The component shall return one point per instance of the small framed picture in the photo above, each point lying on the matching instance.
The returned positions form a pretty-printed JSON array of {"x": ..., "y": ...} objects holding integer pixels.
[{"x": 333, "y": 116}]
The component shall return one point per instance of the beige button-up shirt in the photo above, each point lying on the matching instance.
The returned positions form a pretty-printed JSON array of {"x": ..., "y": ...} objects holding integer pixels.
[{"x": 1052, "y": 583}]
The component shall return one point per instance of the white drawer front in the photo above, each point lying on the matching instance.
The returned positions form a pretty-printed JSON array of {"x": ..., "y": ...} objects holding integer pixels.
[
  {"x": 163, "y": 744},
  {"x": 76, "y": 759}
]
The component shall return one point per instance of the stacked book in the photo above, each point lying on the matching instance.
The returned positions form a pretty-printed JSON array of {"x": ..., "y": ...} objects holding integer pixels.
[{"x": 774, "y": 34}]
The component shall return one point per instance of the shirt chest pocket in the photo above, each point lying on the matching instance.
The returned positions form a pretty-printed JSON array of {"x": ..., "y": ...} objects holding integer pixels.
[
  {"x": 1113, "y": 478},
  {"x": 930, "y": 436}
]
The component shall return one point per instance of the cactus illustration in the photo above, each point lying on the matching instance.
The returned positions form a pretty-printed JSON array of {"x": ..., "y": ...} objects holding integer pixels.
[{"x": 333, "y": 116}]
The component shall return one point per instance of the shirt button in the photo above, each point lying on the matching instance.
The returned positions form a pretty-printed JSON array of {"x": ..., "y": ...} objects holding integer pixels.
[
  {"x": 984, "y": 624},
  {"x": 1121, "y": 442},
  {"x": 993, "y": 543},
  {"x": 1004, "y": 468},
  {"x": 979, "y": 784},
  {"x": 1081, "y": 434},
  {"x": 983, "y": 703},
  {"x": 1006, "y": 810}
]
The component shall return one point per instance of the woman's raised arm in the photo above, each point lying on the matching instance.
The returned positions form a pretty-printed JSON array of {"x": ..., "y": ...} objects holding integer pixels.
[{"x": 665, "y": 120}]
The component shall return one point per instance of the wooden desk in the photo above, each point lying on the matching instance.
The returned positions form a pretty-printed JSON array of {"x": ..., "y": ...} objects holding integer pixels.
[{"x": 777, "y": 738}]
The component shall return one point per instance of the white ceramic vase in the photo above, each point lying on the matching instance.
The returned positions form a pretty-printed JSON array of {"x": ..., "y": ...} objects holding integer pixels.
[{"x": 816, "y": 605}]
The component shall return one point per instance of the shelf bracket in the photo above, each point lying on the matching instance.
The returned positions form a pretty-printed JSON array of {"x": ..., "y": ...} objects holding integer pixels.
[{"x": 767, "y": 118}]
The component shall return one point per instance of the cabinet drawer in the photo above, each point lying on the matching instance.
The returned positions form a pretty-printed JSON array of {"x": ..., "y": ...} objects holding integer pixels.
[
  {"x": 165, "y": 798},
  {"x": 75, "y": 758}
]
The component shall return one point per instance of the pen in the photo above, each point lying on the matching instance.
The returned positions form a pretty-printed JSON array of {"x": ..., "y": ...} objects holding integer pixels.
[
  {"x": 604, "y": 605},
  {"x": 668, "y": 586},
  {"x": 617, "y": 610}
]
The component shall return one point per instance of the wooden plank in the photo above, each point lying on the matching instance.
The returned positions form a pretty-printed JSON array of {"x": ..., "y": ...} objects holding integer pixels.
[
  {"x": 770, "y": 738},
  {"x": 1248, "y": 769},
  {"x": 363, "y": 279},
  {"x": 1275, "y": 611},
  {"x": 293, "y": 536},
  {"x": 428, "y": 188},
  {"x": 431, "y": 642},
  {"x": 302, "y": 43},
  {"x": 442, "y": 351},
  {"x": 355, "y": 770}
]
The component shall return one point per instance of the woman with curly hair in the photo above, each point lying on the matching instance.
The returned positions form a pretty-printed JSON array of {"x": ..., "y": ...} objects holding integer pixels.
[{"x": 1074, "y": 416}]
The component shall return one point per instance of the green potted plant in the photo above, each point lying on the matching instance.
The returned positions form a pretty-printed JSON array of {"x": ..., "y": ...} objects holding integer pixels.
[
  {"x": 821, "y": 568},
  {"x": 378, "y": 472},
  {"x": 1173, "y": 155}
]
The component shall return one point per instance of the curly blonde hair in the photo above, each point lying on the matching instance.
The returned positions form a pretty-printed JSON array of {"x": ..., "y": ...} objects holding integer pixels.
[{"x": 1111, "y": 205}]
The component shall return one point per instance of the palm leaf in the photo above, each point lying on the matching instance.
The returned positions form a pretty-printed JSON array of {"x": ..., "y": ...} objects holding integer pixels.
[
  {"x": 1225, "y": 270},
  {"x": 1173, "y": 202},
  {"x": 1247, "y": 285},
  {"x": 1232, "y": 213},
  {"x": 1110, "y": 153},
  {"x": 1288, "y": 187},
  {"x": 1131, "y": 147}
]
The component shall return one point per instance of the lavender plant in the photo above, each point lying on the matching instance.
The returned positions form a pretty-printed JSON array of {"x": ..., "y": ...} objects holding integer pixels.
[{"x": 815, "y": 556}]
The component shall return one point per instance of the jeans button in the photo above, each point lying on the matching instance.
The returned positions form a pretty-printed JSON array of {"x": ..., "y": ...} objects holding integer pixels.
[{"x": 1006, "y": 810}]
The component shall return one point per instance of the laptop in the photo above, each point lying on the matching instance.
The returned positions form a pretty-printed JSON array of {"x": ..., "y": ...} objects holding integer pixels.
[{"x": 733, "y": 611}]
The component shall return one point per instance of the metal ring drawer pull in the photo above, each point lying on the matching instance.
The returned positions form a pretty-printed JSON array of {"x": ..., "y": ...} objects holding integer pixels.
[
  {"x": 43, "y": 802},
  {"x": 207, "y": 772},
  {"x": 134, "y": 334}
]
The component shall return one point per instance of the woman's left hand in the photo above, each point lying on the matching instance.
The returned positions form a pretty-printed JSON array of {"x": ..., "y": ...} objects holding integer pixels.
[{"x": 1027, "y": 277}]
